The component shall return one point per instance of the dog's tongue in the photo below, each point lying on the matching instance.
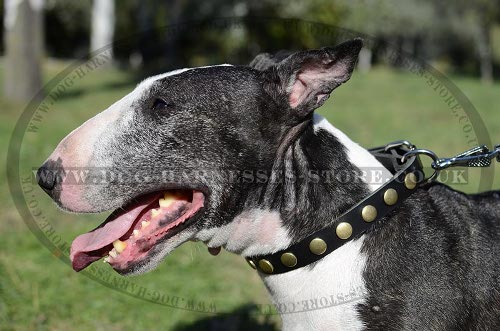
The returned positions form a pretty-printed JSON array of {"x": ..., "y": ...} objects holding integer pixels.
[{"x": 88, "y": 247}]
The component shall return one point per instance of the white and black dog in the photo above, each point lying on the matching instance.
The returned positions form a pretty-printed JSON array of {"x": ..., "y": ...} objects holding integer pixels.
[{"x": 203, "y": 142}]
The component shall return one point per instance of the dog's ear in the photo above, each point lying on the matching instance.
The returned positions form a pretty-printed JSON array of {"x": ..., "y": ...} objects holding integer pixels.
[
  {"x": 265, "y": 60},
  {"x": 304, "y": 80}
]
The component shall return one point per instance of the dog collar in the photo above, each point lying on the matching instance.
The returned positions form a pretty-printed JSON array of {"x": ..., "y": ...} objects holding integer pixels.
[{"x": 358, "y": 219}]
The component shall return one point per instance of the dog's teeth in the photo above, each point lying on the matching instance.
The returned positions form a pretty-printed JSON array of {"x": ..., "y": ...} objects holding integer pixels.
[
  {"x": 155, "y": 212},
  {"x": 119, "y": 245},
  {"x": 145, "y": 224},
  {"x": 106, "y": 259},
  {"x": 113, "y": 253},
  {"x": 136, "y": 233},
  {"x": 167, "y": 201}
]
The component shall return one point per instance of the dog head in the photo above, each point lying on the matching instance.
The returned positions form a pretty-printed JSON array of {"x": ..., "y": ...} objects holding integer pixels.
[{"x": 174, "y": 156}]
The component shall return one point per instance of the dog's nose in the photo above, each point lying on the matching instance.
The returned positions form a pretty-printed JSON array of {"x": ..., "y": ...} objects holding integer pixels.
[{"x": 46, "y": 177}]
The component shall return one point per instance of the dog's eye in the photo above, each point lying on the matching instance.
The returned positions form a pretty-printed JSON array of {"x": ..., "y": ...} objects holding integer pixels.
[{"x": 159, "y": 104}]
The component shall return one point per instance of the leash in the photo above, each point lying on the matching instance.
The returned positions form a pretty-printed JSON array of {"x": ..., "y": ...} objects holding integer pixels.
[{"x": 402, "y": 159}]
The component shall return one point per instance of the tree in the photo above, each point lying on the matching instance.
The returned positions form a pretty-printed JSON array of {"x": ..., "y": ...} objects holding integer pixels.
[
  {"x": 400, "y": 22},
  {"x": 476, "y": 19},
  {"x": 23, "y": 35},
  {"x": 420, "y": 27},
  {"x": 103, "y": 24}
]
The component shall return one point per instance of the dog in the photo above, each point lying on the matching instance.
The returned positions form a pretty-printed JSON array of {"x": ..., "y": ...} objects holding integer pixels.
[{"x": 223, "y": 154}]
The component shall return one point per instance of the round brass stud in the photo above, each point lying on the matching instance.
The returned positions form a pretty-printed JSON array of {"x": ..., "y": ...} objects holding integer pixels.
[
  {"x": 266, "y": 266},
  {"x": 251, "y": 263},
  {"x": 410, "y": 181},
  {"x": 317, "y": 246},
  {"x": 390, "y": 197},
  {"x": 344, "y": 230},
  {"x": 289, "y": 260},
  {"x": 369, "y": 213}
]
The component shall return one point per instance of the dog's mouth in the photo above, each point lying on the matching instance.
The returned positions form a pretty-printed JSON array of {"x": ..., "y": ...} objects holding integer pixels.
[{"x": 130, "y": 233}]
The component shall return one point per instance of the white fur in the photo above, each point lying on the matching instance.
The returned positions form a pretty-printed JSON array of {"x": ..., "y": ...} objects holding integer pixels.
[
  {"x": 253, "y": 232},
  {"x": 338, "y": 275},
  {"x": 146, "y": 83},
  {"x": 358, "y": 156}
]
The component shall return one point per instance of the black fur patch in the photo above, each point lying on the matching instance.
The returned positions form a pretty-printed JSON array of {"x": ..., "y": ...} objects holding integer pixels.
[{"x": 434, "y": 264}]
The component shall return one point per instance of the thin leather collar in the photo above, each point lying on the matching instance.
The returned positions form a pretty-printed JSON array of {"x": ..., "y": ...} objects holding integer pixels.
[{"x": 354, "y": 222}]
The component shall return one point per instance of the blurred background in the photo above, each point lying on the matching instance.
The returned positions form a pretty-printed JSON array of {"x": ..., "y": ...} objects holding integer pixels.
[{"x": 384, "y": 101}]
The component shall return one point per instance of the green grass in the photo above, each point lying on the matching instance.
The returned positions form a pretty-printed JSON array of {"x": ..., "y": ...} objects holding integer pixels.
[{"x": 39, "y": 292}]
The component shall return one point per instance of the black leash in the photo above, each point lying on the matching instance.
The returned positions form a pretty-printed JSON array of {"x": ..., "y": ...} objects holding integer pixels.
[{"x": 402, "y": 159}]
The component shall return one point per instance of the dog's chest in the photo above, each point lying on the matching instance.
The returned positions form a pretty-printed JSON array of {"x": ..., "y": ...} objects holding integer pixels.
[{"x": 325, "y": 296}]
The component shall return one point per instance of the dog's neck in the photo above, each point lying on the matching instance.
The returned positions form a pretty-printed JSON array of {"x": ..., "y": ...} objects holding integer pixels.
[
  {"x": 327, "y": 293},
  {"x": 322, "y": 179},
  {"x": 322, "y": 176}
]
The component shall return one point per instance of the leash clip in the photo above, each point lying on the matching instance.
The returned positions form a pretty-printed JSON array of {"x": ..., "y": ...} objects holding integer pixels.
[
  {"x": 497, "y": 151},
  {"x": 479, "y": 156}
]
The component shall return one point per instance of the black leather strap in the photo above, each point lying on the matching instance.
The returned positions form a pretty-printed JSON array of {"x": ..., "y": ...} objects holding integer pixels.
[{"x": 404, "y": 182}]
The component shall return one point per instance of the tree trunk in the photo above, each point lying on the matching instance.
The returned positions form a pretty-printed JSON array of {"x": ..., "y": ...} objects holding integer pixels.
[
  {"x": 23, "y": 35},
  {"x": 103, "y": 25},
  {"x": 365, "y": 59},
  {"x": 147, "y": 39},
  {"x": 483, "y": 45}
]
